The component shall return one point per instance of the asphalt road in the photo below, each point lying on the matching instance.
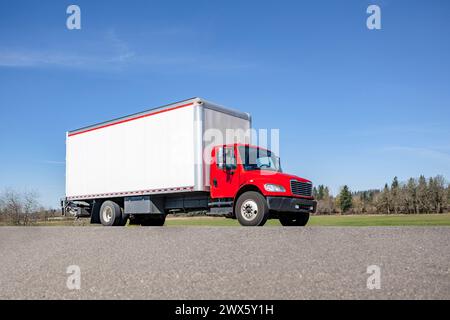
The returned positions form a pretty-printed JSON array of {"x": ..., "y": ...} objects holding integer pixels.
[{"x": 225, "y": 262}]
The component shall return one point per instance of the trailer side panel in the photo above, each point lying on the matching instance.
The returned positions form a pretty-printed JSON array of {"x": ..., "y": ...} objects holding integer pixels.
[{"x": 147, "y": 154}]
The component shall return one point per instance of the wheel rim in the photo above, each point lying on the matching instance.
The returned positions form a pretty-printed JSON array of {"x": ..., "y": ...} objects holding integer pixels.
[
  {"x": 107, "y": 214},
  {"x": 249, "y": 210}
]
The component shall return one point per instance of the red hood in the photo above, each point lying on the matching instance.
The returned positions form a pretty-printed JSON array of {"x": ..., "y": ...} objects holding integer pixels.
[
  {"x": 279, "y": 177},
  {"x": 290, "y": 177},
  {"x": 265, "y": 176}
]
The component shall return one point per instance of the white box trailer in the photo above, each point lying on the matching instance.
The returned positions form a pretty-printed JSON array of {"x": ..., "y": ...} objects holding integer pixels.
[{"x": 153, "y": 152}]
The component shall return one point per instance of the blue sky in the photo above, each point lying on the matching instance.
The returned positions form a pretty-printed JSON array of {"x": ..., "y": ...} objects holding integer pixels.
[{"x": 354, "y": 106}]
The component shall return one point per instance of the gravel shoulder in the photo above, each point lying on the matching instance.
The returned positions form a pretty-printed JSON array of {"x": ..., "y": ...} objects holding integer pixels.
[{"x": 225, "y": 262}]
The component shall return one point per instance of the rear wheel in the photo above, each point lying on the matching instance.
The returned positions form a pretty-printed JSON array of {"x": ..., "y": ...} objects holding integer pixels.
[
  {"x": 111, "y": 214},
  {"x": 251, "y": 209},
  {"x": 291, "y": 220}
]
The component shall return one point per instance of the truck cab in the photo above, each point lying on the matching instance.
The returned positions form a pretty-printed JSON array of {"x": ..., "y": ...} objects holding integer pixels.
[{"x": 251, "y": 178}]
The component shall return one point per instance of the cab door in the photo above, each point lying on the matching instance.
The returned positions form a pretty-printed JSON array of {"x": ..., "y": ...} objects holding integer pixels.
[{"x": 224, "y": 174}]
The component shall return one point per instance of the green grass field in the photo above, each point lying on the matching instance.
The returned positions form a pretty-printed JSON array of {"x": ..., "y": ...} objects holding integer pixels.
[{"x": 335, "y": 220}]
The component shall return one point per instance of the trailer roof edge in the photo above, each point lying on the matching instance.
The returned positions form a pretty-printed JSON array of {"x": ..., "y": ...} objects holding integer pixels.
[{"x": 205, "y": 103}]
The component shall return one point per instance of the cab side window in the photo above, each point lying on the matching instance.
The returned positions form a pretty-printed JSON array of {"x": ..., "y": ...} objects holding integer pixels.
[
  {"x": 219, "y": 158},
  {"x": 225, "y": 158},
  {"x": 230, "y": 159}
]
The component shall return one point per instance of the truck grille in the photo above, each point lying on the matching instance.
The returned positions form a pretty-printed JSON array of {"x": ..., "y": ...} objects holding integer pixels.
[{"x": 301, "y": 188}]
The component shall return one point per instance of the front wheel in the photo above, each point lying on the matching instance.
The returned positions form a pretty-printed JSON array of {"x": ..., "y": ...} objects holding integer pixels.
[
  {"x": 251, "y": 209},
  {"x": 291, "y": 220}
]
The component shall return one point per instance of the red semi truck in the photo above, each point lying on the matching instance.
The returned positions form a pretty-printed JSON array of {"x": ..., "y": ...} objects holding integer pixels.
[{"x": 192, "y": 155}]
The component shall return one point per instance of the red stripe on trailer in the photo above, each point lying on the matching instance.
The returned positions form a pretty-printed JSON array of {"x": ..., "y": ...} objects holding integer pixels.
[{"x": 131, "y": 119}]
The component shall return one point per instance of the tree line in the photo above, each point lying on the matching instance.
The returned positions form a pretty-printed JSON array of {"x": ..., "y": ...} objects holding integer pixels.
[
  {"x": 23, "y": 208},
  {"x": 414, "y": 196}
]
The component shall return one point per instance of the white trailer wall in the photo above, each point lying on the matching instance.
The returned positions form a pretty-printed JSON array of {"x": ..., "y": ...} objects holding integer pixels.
[{"x": 149, "y": 153}]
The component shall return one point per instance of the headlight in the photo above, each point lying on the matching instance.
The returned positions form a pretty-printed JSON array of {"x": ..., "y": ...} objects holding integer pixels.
[{"x": 274, "y": 188}]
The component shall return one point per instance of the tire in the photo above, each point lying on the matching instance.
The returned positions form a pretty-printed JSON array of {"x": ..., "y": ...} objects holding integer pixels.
[
  {"x": 152, "y": 220},
  {"x": 251, "y": 209},
  {"x": 294, "y": 220},
  {"x": 111, "y": 214}
]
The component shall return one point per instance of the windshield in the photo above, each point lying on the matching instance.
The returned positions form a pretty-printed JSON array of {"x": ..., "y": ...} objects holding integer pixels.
[{"x": 256, "y": 159}]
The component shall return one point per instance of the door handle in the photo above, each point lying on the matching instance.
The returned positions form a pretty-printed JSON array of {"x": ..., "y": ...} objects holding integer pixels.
[{"x": 215, "y": 182}]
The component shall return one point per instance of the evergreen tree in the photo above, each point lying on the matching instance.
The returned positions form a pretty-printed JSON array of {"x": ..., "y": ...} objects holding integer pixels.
[
  {"x": 395, "y": 199},
  {"x": 422, "y": 194},
  {"x": 345, "y": 199},
  {"x": 314, "y": 192},
  {"x": 385, "y": 200},
  {"x": 411, "y": 196},
  {"x": 326, "y": 193},
  {"x": 320, "y": 192}
]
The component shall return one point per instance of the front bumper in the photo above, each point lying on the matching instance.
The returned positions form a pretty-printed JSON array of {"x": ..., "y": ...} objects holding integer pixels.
[{"x": 286, "y": 204}]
